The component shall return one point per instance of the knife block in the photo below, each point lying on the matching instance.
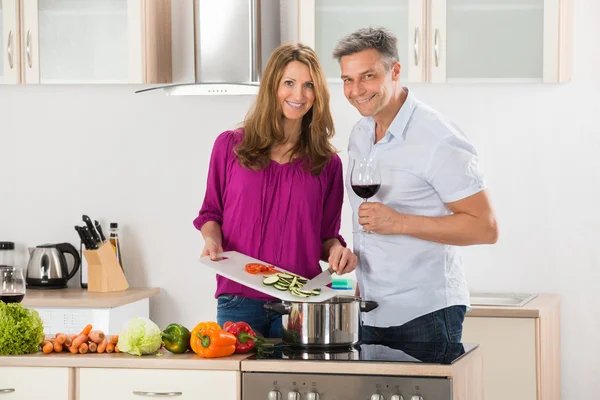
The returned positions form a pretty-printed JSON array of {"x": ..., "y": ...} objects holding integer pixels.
[{"x": 104, "y": 272}]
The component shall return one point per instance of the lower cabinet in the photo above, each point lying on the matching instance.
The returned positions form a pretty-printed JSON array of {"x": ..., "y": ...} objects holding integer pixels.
[
  {"x": 509, "y": 356},
  {"x": 122, "y": 384},
  {"x": 521, "y": 354},
  {"x": 20, "y": 383}
]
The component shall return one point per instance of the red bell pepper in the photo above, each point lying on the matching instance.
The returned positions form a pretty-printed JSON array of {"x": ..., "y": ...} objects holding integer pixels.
[{"x": 245, "y": 335}]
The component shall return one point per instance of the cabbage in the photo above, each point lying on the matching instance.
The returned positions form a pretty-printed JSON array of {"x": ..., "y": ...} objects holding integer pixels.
[{"x": 140, "y": 336}]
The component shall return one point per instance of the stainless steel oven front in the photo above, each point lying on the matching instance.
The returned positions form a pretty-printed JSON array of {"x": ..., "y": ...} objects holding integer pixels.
[{"x": 282, "y": 386}]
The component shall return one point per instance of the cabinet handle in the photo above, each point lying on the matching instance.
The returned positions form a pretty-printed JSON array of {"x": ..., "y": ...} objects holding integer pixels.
[
  {"x": 157, "y": 394},
  {"x": 9, "y": 50},
  {"x": 6, "y": 391},
  {"x": 417, "y": 45},
  {"x": 436, "y": 47},
  {"x": 28, "y": 48}
]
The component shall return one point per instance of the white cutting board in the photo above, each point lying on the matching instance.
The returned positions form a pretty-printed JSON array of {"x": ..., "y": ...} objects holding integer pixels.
[{"x": 234, "y": 268}]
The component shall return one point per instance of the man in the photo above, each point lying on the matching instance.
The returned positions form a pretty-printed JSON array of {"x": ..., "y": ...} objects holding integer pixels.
[{"x": 432, "y": 199}]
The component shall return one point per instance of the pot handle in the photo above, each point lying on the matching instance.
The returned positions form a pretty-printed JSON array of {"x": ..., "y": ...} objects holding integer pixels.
[
  {"x": 279, "y": 308},
  {"x": 368, "y": 305}
]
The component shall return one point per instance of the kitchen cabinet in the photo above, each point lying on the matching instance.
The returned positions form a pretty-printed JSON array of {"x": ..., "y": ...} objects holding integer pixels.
[
  {"x": 452, "y": 40},
  {"x": 122, "y": 384},
  {"x": 521, "y": 349},
  {"x": 36, "y": 383},
  {"x": 9, "y": 56},
  {"x": 92, "y": 41}
]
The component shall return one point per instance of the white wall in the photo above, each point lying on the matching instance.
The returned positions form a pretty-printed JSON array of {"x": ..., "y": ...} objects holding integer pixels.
[{"x": 142, "y": 160}]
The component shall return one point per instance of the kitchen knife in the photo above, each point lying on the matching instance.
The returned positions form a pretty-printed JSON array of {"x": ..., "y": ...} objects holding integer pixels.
[
  {"x": 90, "y": 238},
  {"x": 82, "y": 237},
  {"x": 324, "y": 278},
  {"x": 92, "y": 230},
  {"x": 99, "y": 229}
]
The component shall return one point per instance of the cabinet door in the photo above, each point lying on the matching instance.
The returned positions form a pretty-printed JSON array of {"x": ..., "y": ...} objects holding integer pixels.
[
  {"x": 9, "y": 54},
  {"x": 324, "y": 22},
  {"x": 496, "y": 40},
  {"x": 131, "y": 384},
  {"x": 509, "y": 355},
  {"x": 17, "y": 383},
  {"x": 91, "y": 41}
]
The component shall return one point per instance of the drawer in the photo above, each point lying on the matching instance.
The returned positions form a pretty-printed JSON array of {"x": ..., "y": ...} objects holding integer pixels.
[
  {"x": 18, "y": 383},
  {"x": 138, "y": 384}
]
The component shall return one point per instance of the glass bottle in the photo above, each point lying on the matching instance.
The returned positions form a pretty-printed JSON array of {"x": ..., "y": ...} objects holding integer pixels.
[{"x": 115, "y": 241}]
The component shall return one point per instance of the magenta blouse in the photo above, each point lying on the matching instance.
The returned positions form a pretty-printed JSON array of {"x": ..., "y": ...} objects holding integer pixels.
[{"x": 281, "y": 214}]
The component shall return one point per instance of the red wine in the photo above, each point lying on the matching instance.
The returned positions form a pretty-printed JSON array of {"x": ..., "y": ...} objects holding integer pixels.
[
  {"x": 11, "y": 297},
  {"x": 366, "y": 191}
]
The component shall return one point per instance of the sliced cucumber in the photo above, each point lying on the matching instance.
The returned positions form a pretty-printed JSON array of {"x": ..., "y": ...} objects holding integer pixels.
[
  {"x": 293, "y": 283},
  {"x": 271, "y": 280}
]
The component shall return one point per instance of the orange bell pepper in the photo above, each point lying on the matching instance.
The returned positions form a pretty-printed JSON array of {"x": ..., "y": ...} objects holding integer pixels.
[{"x": 208, "y": 340}]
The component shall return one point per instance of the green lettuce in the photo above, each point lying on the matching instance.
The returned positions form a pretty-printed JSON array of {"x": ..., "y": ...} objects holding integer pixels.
[
  {"x": 21, "y": 329},
  {"x": 140, "y": 336}
]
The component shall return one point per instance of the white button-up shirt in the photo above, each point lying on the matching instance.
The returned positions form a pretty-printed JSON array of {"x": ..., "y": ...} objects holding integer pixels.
[{"x": 425, "y": 162}]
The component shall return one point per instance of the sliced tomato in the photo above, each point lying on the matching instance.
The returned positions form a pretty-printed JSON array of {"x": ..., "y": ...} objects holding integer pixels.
[{"x": 256, "y": 268}]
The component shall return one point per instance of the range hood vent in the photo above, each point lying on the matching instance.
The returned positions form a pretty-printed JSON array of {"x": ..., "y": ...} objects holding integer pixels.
[{"x": 233, "y": 41}]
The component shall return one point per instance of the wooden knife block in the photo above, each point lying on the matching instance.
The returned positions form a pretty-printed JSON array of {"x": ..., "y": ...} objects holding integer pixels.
[{"x": 104, "y": 272}]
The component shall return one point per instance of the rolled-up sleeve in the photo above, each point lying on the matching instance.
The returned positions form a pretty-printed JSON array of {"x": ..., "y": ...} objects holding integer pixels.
[
  {"x": 454, "y": 170},
  {"x": 212, "y": 207},
  {"x": 334, "y": 198}
]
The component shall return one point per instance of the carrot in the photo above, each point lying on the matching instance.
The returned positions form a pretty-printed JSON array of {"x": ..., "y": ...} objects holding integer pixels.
[
  {"x": 101, "y": 347},
  {"x": 117, "y": 348},
  {"x": 110, "y": 347},
  {"x": 114, "y": 339},
  {"x": 83, "y": 348},
  {"x": 61, "y": 338},
  {"x": 58, "y": 347},
  {"x": 79, "y": 340},
  {"x": 73, "y": 350},
  {"x": 92, "y": 346},
  {"x": 96, "y": 336},
  {"x": 48, "y": 347},
  {"x": 68, "y": 341},
  {"x": 86, "y": 331}
]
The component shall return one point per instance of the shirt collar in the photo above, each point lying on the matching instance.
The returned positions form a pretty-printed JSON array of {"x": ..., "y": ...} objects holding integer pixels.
[{"x": 398, "y": 125}]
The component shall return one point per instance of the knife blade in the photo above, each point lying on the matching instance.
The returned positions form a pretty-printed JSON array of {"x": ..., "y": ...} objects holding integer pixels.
[
  {"x": 92, "y": 230},
  {"x": 324, "y": 278},
  {"x": 99, "y": 229},
  {"x": 90, "y": 239}
]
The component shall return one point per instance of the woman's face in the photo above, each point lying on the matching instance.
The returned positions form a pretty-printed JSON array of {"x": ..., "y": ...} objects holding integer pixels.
[{"x": 296, "y": 91}]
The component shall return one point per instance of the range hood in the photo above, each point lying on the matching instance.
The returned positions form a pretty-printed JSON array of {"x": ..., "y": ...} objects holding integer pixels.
[{"x": 233, "y": 40}]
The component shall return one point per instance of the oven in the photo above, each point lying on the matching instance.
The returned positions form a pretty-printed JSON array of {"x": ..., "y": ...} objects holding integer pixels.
[{"x": 282, "y": 386}]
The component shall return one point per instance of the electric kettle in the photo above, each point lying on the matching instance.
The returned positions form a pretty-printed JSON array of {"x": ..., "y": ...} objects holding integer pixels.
[{"x": 47, "y": 267}]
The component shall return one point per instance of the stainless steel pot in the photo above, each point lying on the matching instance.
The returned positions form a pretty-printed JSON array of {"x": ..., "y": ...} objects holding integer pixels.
[{"x": 335, "y": 322}]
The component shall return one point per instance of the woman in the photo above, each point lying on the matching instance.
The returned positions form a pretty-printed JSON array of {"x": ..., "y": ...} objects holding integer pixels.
[{"x": 275, "y": 187}]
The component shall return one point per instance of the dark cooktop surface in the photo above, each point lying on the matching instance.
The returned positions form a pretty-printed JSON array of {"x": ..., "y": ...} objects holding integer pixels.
[{"x": 430, "y": 353}]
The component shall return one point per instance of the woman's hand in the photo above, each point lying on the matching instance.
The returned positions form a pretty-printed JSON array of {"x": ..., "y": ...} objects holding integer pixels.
[
  {"x": 341, "y": 259},
  {"x": 211, "y": 248}
]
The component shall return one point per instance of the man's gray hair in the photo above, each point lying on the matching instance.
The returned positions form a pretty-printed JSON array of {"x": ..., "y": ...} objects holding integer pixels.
[{"x": 380, "y": 39}]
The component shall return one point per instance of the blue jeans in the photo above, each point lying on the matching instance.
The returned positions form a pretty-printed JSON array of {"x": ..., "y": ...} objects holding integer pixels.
[
  {"x": 442, "y": 326},
  {"x": 238, "y": 308}
]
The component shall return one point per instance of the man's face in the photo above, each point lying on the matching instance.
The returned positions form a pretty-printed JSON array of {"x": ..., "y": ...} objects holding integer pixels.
[{"x": 367, "y": 85}]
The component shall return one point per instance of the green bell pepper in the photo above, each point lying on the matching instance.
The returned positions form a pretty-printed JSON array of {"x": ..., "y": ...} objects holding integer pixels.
[{"x": 176, "y": 338}]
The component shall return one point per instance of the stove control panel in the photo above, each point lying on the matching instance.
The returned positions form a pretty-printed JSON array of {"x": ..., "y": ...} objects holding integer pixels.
[{"x": 282, "y": 386}]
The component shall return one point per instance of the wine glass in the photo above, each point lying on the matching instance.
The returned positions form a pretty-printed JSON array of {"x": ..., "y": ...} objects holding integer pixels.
[
  {"x": 12, "y": 284},
  {"x": 365, "y": 179}
]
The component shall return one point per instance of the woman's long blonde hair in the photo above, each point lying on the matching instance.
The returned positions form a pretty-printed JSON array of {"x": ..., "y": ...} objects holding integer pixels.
[{"x": 263, "y": 124}]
